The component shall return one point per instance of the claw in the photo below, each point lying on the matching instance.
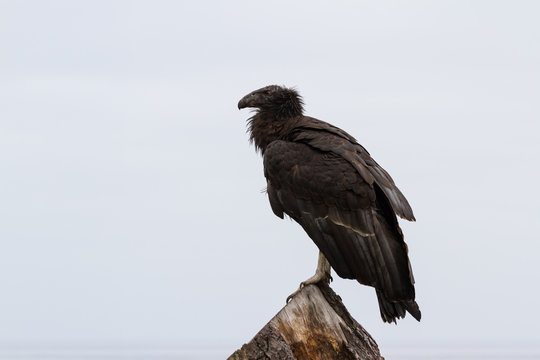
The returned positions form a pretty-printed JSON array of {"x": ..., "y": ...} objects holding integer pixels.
[
  {"x": 322, "y": 274},
  {"x": 290, "y": 297}
]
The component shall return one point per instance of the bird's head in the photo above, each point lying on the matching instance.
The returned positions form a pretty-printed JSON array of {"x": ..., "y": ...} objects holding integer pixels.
[{"x": 274, "y": 99}]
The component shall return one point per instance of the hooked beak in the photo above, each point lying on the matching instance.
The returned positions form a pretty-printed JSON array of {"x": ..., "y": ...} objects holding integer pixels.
[{"x": 247, "y": 101}]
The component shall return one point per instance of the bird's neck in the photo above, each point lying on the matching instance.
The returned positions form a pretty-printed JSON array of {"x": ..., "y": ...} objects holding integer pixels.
[{"x": 266, "y": 127}]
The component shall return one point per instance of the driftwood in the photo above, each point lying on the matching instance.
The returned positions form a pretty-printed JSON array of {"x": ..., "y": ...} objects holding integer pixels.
[{"x": 314, "y": 325}]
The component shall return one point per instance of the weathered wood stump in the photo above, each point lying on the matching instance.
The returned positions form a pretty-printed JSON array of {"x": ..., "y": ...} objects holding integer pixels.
[{"x": 314, "y": 325}]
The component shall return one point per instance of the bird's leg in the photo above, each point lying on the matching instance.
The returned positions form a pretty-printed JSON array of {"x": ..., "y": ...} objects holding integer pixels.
[{"x": 321, "y": 274}]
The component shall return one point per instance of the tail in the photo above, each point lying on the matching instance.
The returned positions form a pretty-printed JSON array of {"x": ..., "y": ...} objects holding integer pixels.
[{"x": 393, "y": 310}]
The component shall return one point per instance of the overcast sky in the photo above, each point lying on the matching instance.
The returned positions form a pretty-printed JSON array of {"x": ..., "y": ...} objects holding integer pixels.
[{"x": 130, "y": 199}]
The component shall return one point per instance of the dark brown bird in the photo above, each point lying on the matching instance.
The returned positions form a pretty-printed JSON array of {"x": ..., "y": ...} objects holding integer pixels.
[{"x": 329, "y": 184}]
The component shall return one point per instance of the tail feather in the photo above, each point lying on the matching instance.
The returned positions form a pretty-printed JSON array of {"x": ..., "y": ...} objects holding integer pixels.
[{"x": 393, "y": 310}]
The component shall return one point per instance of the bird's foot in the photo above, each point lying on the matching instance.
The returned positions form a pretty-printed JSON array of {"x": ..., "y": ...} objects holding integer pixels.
[
  {"x": 290, "y": 297},
  {"x": 321, "y": 275}
]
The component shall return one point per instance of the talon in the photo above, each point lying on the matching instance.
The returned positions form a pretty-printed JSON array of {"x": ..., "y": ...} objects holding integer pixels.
[
  {"x": 322, "y": 274},
  {"x": 290, "y": 297}
]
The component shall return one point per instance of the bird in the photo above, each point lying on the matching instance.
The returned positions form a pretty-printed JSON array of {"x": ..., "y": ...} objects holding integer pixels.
[{"x": 322, "y": 178}]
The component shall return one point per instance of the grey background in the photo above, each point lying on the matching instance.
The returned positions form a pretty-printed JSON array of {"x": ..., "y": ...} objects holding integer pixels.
[{"x": 131, "y": 209}]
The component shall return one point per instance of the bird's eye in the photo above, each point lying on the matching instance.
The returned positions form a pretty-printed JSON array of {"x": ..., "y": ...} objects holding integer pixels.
[{"x": 268, "y": 92}]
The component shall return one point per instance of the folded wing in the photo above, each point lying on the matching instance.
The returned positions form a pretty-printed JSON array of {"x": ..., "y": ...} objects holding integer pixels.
[{"x": 343, "y": 209}]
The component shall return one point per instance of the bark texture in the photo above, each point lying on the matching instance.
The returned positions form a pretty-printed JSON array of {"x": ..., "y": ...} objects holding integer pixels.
[{"x": 314, "y": 325}]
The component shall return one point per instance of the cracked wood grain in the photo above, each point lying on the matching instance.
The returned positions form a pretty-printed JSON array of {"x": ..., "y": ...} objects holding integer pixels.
[{"x": 314, "y": 325}]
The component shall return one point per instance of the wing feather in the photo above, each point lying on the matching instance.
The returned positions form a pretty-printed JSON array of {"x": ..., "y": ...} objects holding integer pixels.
[
  {"x": 350, "y": 220},
  {"x": 327, "y": 138}
]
